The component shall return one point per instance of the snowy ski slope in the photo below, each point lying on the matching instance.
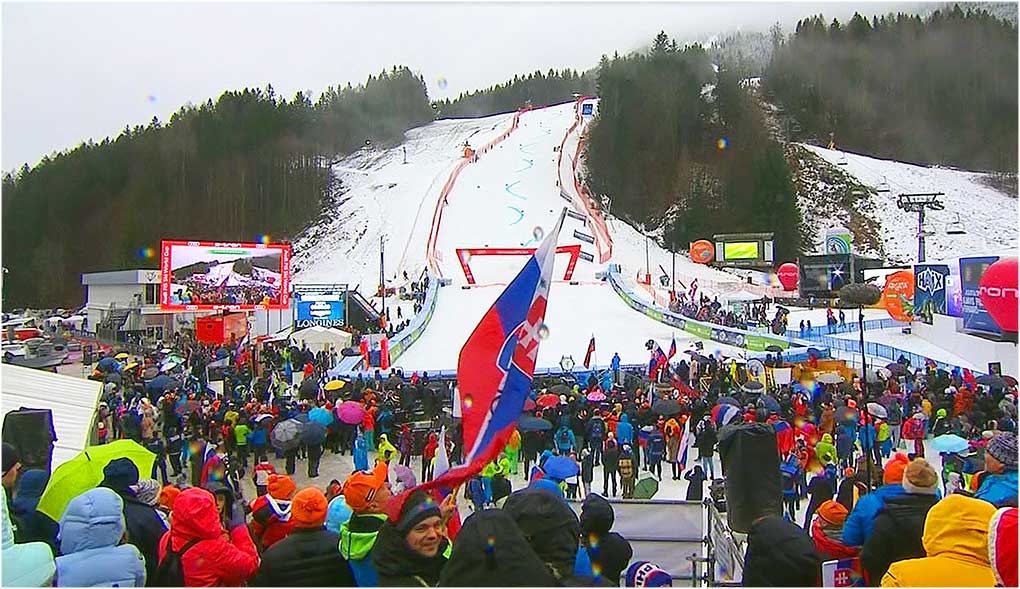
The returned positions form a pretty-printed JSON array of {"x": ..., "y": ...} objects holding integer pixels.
[
  {"x": 506, "y": 200},
  {"x": 382, "y": 196},
  {"x": 988, "y": 216}
]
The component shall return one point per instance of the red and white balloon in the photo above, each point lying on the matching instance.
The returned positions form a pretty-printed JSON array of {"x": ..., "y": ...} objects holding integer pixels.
[
  {"x": 788, "y": 275},
  {"x": 998, "y": 292}
]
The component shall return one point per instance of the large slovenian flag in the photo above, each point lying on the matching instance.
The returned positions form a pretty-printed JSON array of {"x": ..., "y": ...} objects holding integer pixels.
[{"x": 496, "y": 365}]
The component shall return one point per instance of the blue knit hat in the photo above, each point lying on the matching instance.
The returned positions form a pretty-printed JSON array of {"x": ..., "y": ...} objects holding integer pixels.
[{"x": 645, "y": 574}]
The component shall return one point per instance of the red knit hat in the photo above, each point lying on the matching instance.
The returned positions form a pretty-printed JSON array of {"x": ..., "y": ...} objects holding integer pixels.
[
  {"x": 1002, "y": 546},
  {"x": 893, "y": 472}
]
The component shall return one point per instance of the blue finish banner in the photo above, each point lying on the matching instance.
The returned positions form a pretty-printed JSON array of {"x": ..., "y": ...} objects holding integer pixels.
[
  {"x": 975, "y": 317},
  {"x": 319, "y": 309}
]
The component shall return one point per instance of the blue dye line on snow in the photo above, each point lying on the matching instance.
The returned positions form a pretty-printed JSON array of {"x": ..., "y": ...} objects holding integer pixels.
[
  {"x": 512, "y": 193},
  {"x": 519, "y": 212},
  {"x": 527, "y": 167}
]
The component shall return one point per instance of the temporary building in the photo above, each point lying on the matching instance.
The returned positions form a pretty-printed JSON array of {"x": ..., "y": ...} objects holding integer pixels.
[{"x": 72, "y": 401}]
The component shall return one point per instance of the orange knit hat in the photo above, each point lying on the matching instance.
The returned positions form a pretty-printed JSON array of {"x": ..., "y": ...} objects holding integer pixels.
[{"x": 893, "y": 472}]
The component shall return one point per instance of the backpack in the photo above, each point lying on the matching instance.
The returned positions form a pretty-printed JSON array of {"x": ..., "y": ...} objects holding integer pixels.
[{"x": 171, "y": 570}]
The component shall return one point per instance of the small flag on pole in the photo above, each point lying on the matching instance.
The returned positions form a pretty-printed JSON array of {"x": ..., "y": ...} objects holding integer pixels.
[
  {"x": 672, "y": 349},
  {"x": 591, "y": 350}
]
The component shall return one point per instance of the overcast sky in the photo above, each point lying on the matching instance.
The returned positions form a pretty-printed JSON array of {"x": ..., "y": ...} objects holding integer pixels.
[{"x": 81, "y": 70}]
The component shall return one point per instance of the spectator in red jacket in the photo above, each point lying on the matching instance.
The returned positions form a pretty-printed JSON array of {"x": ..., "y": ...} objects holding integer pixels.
[
  {"x": 827, "y": 532},
  {"x": 270, "y": 513},
  {"x": 215, "y": 559}
]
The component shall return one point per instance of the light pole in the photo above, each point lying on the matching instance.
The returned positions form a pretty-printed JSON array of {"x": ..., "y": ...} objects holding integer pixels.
[{"x": 860, "y": 296}]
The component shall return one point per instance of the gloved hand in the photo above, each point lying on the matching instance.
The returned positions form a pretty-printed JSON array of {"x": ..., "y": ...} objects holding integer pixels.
[{"x": 237, "y": 518}]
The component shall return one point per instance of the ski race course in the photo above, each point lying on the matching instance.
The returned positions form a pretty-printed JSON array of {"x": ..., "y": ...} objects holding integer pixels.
[{"x": 459, "y": 219}]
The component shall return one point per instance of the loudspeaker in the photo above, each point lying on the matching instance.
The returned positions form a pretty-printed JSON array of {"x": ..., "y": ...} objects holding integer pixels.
[
  {"x": 31, "y": 431},
  {"x": 750, "y": 461}
]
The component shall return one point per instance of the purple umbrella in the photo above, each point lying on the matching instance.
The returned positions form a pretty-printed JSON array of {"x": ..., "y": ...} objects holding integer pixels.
[
  {"x": 405, "y": 475},
  {"x": 596, "y": 396},
  {"x": 350, "y": 412}
]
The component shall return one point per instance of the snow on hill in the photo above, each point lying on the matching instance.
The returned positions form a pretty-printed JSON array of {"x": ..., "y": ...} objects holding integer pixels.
[
  {"x": 382, "y": 196},
  {"x": 988, "y": 216}
]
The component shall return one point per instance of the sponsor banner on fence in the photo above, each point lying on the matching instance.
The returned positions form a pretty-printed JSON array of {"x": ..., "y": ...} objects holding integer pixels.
[
  {"x": 758, "y": 343},
  {"x": 930, "y": 288}
]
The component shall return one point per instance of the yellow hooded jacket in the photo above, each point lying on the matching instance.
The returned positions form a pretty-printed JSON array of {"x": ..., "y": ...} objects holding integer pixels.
[
  {"x": 386, "y": 450},
  {"x": 956, "y": 541}
]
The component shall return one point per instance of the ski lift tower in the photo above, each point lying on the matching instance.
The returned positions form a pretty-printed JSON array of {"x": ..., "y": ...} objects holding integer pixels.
[{"x": 919, "y": 203}]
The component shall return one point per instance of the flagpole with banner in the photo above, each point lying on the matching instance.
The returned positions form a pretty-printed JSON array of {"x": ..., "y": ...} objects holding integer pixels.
[{"x": 496, "y": 366}]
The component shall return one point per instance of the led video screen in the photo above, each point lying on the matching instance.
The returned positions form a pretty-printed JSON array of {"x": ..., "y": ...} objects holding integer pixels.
[{"x": 199, "y": 275}]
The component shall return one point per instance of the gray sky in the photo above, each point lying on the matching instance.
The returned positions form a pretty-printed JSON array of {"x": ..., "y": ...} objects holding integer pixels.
[{"x": 81, "y": 70}]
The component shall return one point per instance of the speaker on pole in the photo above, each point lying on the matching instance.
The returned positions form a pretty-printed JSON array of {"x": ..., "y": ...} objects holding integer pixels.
[
  {"x": 31, "y": 431},
  {"x": 750, "y": 461}
]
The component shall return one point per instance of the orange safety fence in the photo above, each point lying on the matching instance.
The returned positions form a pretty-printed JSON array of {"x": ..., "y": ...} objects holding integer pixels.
[{"x": 437, "y": 213}]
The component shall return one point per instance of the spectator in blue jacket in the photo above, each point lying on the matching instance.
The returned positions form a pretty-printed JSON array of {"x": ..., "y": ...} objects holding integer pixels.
[
  {"x": 997, "y": 484},
  {"x": 565, "y": 440},
  {"x": 624, "y": 431},
  {"x": 33, "y": 525},
  {"x": 91, "y": 530},
  {"x": 656, "y": 452},
  {"x": 861, "y": 521}
]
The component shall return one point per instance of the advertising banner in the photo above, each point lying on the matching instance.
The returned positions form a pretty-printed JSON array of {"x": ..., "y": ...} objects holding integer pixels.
[
  {"x": 975, "y": 317},
  {"x": 899, "y": 296},
  {"x": 207, "y": 275},
  {"x": 702, "y": 331},
  {"x": 930, "y": 291},
  {"x": 839, "y": 240},
  {"x": 323, "y": 309},
  {"x": 757, "y": 343}
]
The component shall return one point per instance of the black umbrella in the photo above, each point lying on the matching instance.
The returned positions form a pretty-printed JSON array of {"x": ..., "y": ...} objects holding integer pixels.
[
  {"x": 313, "y": 433},
  {"x": 530, "y": 423},
  {"x": 753, "y": 387},
  {"x": 991, "y": 380},
  {"x": 161, "y": 383},
  {"x": 729, "y": 401},
  {"x": 773, "y": 348},
  {"x": 769, "y": 403},
  {"x": 286, "y": 434},
  {"x": 560, "y": 389},
  {"x": 666, "y": 407},
  {"x": 309, "y": 389},
  {"x": 897, "y": 369}
]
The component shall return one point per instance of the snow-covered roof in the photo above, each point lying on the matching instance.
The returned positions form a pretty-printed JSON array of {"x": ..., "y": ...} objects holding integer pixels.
[{"x": 73, "y": 402}]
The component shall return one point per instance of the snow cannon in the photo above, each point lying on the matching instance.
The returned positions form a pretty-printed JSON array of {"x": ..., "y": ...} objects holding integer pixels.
[
  {"x": 998, "y": 293},
  {"x": 702, "y": 252},
  {"x": 788, "y": 275}
]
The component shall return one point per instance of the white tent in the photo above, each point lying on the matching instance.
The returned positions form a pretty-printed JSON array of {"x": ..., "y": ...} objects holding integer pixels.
[
  {"x": 326, "y": 336},
  {"x": 73, "y": 402}
]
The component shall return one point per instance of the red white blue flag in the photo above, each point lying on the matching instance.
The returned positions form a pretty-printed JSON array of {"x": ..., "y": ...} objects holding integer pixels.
[
  {"x": 672, "y": 349},
  {"x": 657, "y": 361},
  {"x": 496, "y": 366},
  {"x": 588, "y": 354}
]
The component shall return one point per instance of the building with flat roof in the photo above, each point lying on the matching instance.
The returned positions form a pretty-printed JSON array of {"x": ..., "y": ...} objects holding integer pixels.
[{"x": 127, "y": 301}]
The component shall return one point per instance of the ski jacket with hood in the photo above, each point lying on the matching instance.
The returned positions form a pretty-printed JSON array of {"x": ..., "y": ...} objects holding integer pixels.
[
  {"x": 215, "y": 560},
  {"x": 956, "y": 542},
  {"x": 90, "y": 531},
  {"x": 357, "y": 539}
]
